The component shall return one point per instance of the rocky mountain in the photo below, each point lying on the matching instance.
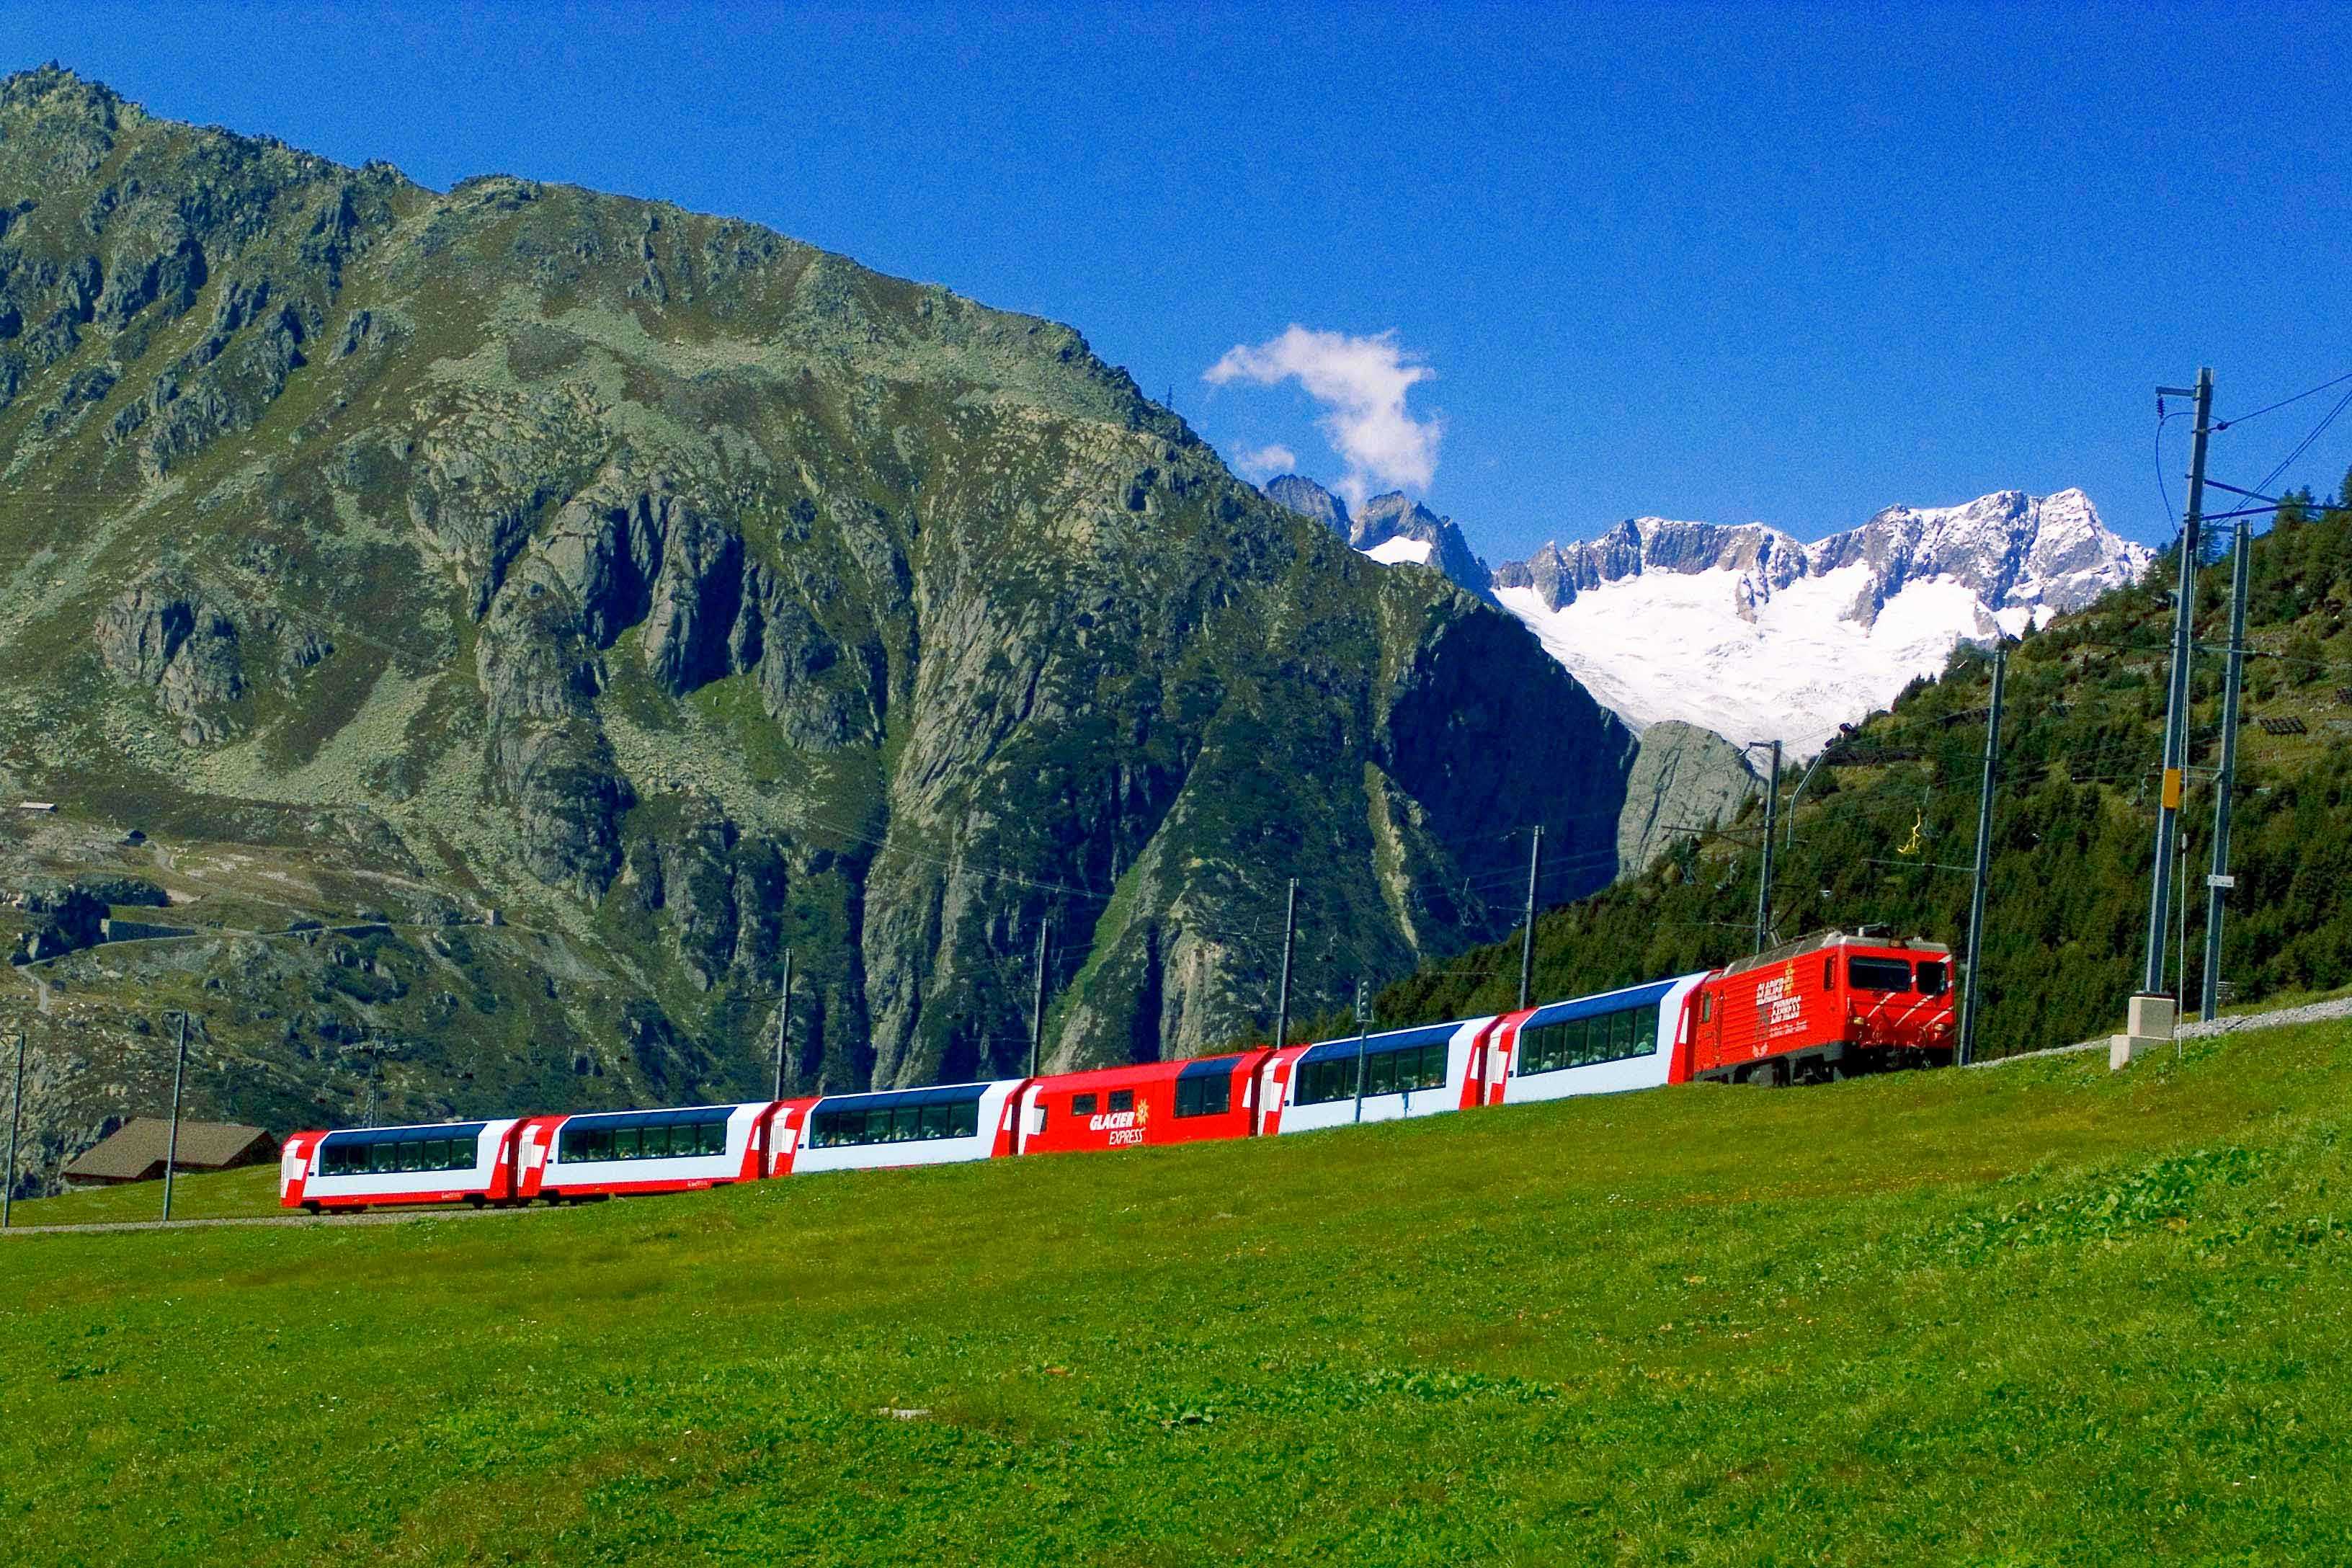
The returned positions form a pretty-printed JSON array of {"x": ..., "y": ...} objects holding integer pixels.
[
  {"x": 1750, "y": 633},
  {"x": 1684, "y": 779},
  {"x": 1392, "y": 529},
  {"x": 501, "y": 623}
]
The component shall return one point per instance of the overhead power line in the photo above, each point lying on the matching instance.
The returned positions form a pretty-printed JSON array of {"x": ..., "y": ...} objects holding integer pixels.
[{"x": 2281, "y": 403}]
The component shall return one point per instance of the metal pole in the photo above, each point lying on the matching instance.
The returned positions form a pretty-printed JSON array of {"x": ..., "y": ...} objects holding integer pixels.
[
  {"x": 1528, "y": 941},
  {"x": 1968, "y": 1051},
  {"x": 172, "y": 1149},
  {"x": 2181, "y": 924},
  {"x": 2176, "y": 709},
  {"x": 1037, "y": 1013},
  {"x": 783, "y": 1023},
  {"x": 1789, "y": 833},
  {"x": 1764, "y": 876},
  {"x": 1363, "y": 1028},
  {"x": 1290, "y": 942},
  {"x": 15, "y": 1124},
  {"x": 2218, "y": 880}
]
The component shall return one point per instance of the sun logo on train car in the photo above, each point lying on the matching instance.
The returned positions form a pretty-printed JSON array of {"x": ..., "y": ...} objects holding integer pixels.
[
  {"x": 1789, "y": 974},
  {"x": 1142, "y": 1112}
]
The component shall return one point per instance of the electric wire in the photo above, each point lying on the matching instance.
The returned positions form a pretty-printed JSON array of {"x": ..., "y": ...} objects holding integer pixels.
[{"x": 2281, "y": 403}]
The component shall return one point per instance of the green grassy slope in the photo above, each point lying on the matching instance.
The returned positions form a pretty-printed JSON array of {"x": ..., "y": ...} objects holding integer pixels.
[
  {"x": 2027, "y": 1315},
  {"x": 210, "y": 1195}
]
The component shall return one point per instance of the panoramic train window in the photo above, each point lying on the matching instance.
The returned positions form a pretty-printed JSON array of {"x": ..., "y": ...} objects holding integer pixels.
[
  {"x": 1385, "y": 1072},
  {"x": 1082, "y": 1105},
  {"x": 1587, "y": 1041},
  {"x": 1208, "y": 1094},
  {"x": 895, "y": 1124},
  {"x": 1878, "y": 974},
  {"x": 1931, "y": 977},
  {"x": 591, "y": 1143},
  {"x": 368, "y": 1156}
]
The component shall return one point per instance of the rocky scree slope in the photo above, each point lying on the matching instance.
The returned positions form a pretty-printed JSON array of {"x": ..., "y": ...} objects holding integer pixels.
[{"x": 680, "y": 593}]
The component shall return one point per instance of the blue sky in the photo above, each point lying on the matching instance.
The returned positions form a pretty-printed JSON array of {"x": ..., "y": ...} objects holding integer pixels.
[{"x": 1744, "y": 263}]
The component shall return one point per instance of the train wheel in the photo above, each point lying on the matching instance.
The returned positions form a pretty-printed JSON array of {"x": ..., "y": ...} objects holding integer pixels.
[{"x": 310, "y": 1208}]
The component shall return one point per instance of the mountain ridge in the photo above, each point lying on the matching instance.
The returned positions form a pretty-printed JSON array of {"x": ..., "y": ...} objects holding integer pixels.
[
  {"x": 1739, "y": 628},
  {"x": 581, "y": 601}
]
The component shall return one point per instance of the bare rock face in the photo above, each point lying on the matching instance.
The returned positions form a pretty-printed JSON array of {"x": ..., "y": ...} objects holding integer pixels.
[
  {"x": 165, "y": 633},
  {"x": 1558, "y": 573},
  {"x": 1308, "y": 498},
  {"x": 59, "y": 919},
  {"x": 1684, "y": 780}
]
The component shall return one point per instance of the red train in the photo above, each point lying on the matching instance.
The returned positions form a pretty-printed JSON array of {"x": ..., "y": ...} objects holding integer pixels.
[
  {"x": 1830, "y": 1007},
  {"x": 1826, "y": 1007}
]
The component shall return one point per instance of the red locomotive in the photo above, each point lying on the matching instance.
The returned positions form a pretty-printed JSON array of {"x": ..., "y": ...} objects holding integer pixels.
[{"x": 1828, "y": 1006}]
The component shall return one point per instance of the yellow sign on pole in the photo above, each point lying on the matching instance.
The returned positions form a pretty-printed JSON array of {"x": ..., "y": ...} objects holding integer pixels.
[{"x": 2172, "y": 789}]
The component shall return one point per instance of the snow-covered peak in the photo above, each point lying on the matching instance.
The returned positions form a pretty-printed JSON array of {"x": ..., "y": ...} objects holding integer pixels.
[
  {"x": 1750, "y": 632},
  {"x": 1393, "y": 530},
  {"x": 2044, "y": 553},
  {"x": 1745, "y": 628},
  {"x": 1557, "y": 574},
  {"x": 2039, "y": 555}
]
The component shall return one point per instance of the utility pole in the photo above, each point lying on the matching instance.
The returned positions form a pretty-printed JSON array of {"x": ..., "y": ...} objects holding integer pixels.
[
  {"x": 1764, "y": 876},
  {"x": 15, "y": 1124},
  {"x": 1038, "y": 1011},
  {"x": 2218, "y": 881},
  {"x": 172, "y": 1149},
  {"x": 2176, "y": 709},
  {"x": 1528, "y": 941},
  {"x": 1968, "y": 1051},
  {"x": 1289, "y": 943},
  {"x": 783, "y": 1023},
  {"x": 373, "y": 1050},
  {"x": 1363, "y": 1029}
]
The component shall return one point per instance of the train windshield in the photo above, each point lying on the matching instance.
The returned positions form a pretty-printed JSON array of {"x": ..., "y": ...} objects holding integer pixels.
[
  {"x": 1878, "y": 974},
  {"x": 1931, "y": 978}
]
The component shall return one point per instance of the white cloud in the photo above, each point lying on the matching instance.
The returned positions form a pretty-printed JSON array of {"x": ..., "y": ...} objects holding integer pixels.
[
  {"x": 1264, "y": 462},
  {"x": 1362, "y": 384}
]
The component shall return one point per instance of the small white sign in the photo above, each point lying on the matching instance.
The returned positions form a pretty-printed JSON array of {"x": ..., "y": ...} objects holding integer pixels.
[{"x": 2219, "y": 881}]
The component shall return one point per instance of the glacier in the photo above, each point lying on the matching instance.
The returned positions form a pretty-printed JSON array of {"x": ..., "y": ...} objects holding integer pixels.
[{"x": 1751, "y": 633}]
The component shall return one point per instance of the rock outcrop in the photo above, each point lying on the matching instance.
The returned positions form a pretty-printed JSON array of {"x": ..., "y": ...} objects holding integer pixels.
[
  {"x": 163, "y": 632},
  {"x": 1684, "y": 780}
]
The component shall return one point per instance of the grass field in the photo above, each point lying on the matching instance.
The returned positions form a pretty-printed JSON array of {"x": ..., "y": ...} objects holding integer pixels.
[{"x": 2031, "y": 1315}]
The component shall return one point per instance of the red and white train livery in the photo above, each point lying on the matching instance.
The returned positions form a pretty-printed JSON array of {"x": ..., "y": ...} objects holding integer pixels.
[{"x": 1828, "y": 1006}]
